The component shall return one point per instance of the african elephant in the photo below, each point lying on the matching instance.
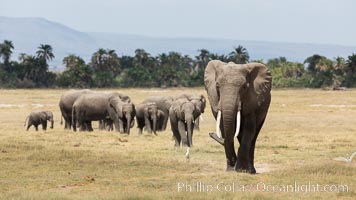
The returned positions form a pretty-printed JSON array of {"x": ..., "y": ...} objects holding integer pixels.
[
  {"x": 239, "y": 96},
  {"x": 38, "y": 117},
  {"x": 199, "y": 101},
  {"x": 182, "y": 115},
  {"x": 66, "y": 103},
  {"x": 97, "y": 106},
  {"x": 163, "y": 103},
  {"x": 147, "y": 115}
]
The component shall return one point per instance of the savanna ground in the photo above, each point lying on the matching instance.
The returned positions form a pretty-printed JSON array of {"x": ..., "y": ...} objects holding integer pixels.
[{"x": 303, "y": 132}]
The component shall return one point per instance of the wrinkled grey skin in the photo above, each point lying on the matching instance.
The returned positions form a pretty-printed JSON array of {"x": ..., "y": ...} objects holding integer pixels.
[
  {"x": 38, "y": 117},
  {"x": 246, "y": 88},
  {"x": 147, "y": 115},
  {"x": 98, "y": 106},
  {"x": 198, "y": 100},
  {"x": 66, "y": 103},
  {"x": 182, "y": 115},
  {"x": 163, "y": 103}
]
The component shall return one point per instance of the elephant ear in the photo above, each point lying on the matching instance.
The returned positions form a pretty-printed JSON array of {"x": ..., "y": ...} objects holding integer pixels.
[
  {"x": 260, "y": 81},
  {"x": 113, "y": 102},
  {"x": 177, "y": 107},
  {"x": 203, "y": 101},
  {"x": 210, "y": 75},
  {"x": 145, "y": 111},
  {"x": 160, "y": 113},
  {"x": 133, "y": 110},
  {"x": 49, "y": 115}
]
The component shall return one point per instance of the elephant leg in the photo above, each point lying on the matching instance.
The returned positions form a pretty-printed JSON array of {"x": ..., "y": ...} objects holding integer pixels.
[
  {"x": 101, "y": 125},
  {"x": 44, "y": 125},
  {"x": 248, "y": 133},
  {"x": 90, "y": 127},
  {"x": 36, "y": 127},
  {"x": 196, "y": 124},
  {"x": 174, "y": 127},
  {"x": 260, "y": 121},
  {"x": 183, "y": 133},
  {"x": 140, "y": 131},
  {"x": 69, "y": 123},
  {"x": 121, "y": 126},
  {"x": 230, "y": 152},
  {"x": 165, "y": 120}
]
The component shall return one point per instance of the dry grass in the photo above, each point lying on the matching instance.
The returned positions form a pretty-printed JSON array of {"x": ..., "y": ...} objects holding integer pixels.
[{"x": 304, "y": 131}]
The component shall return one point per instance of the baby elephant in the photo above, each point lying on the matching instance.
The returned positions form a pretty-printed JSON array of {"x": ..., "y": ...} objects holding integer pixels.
[
  {"x": 38, "y": 117},
  {"x": 149, "y": 116},
  {"x": 182, "y": 115}
]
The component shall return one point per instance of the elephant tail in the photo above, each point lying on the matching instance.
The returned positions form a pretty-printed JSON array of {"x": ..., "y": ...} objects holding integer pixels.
[{"x": 26, "y": 120}]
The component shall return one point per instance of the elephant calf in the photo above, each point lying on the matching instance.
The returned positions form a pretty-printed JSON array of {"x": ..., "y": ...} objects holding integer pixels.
[
  {"x": 182, "y": 115},
  {"x": 200, "y": 103},
  {"x": 38, "y": 117},
  {"x": 148, "y": 115}
]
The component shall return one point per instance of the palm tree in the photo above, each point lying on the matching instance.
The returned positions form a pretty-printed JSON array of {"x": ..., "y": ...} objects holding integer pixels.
[
  {"x": 239, "y": 55},
  {"x": 45, "y": 52},
  {"x": 6, "y": 50},
  {"x": 350, "y": 69},
  {"x": 141, "y": 57},
  {"x": 113, "y": 61},
  {"x": 22, "y": 57}
]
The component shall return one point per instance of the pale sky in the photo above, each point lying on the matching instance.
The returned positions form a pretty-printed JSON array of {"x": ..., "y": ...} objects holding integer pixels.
[{"x": 301, "y": 21}]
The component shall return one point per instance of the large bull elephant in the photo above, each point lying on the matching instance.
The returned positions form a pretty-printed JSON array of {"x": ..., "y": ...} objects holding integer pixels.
[
  {"x": 98, "y": 106},
  {"x": 66, "y": 103},
  {"x": 182, "y": 115},
  {"x": 163, "y": 103},
  {"x": 199, "y": 101},
  {"x": 38, "y": 117},
  {"x": 147, "y": 115},
  {"x": 239, "y": 96}
]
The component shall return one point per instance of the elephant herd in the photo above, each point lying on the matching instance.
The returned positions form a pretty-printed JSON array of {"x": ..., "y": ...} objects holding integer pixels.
[
  {"x": 239, "y": 96},
  {"x": 116, "y": 111}
]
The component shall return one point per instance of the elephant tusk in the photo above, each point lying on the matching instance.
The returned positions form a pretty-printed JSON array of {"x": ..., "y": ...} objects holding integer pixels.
[
  {"x": 201, "y": 118},
  {"x": 238, "y": 122},
  {"x": 218, "y": 119}
]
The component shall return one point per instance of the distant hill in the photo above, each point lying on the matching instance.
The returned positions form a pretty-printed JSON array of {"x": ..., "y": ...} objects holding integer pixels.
[{"x": 28, "y": 33}]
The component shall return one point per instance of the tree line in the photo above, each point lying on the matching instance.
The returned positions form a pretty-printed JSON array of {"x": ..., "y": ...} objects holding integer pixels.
[{"x": 172, "y": 69}]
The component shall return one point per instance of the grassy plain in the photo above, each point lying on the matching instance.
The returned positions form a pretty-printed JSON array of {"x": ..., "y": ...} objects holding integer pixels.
[{"x": 304, "y": 130}]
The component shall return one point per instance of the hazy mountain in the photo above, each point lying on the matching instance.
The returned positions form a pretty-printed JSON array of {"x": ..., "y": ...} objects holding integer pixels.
[{"x": 28, "y": 33}]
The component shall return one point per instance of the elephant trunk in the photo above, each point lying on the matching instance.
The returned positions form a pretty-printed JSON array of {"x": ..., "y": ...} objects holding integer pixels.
[
  {"x": 190, "y": 126},
  {"x": 154, "y": 124},
  {"x": 128, "y": 126},
  {"x": 229, "y": 110}
]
